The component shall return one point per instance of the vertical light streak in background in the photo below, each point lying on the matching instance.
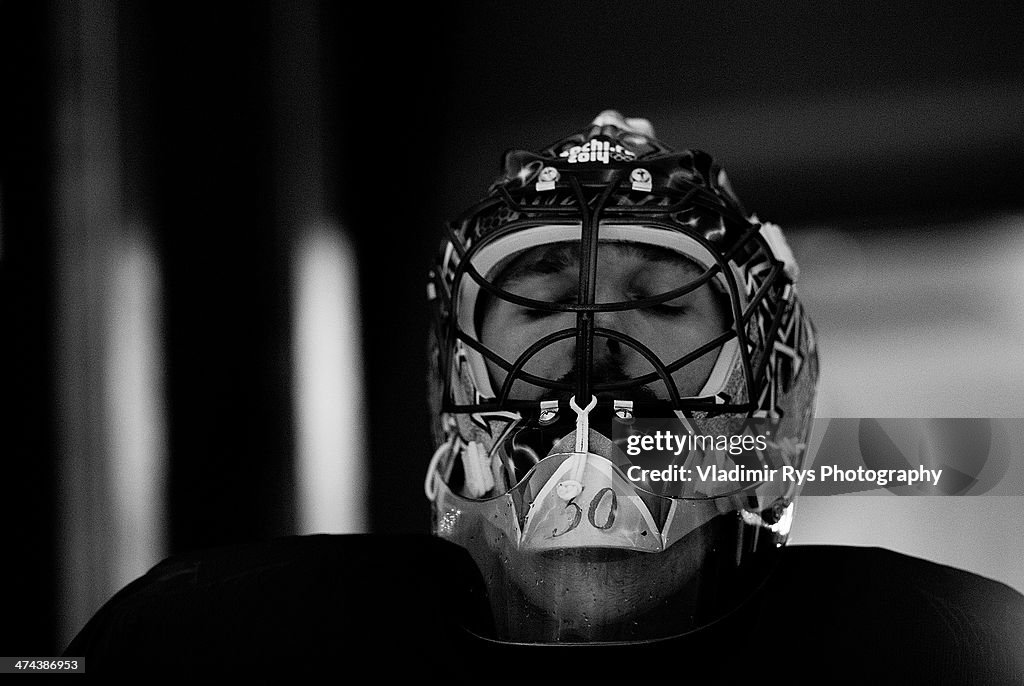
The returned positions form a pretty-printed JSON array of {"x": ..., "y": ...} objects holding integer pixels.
[
  {"x": 111, "y": 440},
  {"x": 88, "y": 199},
  {"x": 328, "y": 401},
  {"x": 330, "y": 470},
  {"x": 133, "y": 372}
]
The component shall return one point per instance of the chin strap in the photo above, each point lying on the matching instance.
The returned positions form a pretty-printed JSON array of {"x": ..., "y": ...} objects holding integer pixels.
[
  {"x": 573, "y": 486},
  {"x": 430, "y": 483}
]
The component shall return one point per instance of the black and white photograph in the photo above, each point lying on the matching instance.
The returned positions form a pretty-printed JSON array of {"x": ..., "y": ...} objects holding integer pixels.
[{"x": 486, "y": 343}]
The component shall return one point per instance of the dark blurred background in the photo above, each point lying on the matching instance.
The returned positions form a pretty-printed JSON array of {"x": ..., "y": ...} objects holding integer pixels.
[{"x": 215, "y": 221}]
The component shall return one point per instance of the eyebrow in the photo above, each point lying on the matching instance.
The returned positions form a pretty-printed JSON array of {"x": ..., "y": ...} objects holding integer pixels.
[
  {"x": 556, "y": 258},
  {"x": 559, "y": 257}
]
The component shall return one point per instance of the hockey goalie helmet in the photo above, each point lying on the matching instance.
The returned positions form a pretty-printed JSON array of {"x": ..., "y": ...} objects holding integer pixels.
[{"x": 619, "y": 361}]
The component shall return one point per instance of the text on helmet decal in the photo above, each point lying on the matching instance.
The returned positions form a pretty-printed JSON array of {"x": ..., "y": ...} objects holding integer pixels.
[{"x": 597, "y": 150}]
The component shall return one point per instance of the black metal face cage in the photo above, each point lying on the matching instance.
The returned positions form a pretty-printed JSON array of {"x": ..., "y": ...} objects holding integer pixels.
[{"x": 590, "y": 214}]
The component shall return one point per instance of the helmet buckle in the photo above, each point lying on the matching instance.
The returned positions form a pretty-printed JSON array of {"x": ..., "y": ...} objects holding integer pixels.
[
  {"x": 548, "y": 412},
  {"x": 641, "y": 180},
  {"x": 623, "y": 410},
  {"x": 547, "y": 178}
]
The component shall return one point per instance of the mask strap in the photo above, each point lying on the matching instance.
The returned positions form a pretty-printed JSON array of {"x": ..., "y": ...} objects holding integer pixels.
[
  {"x": 573, "y": 486},
  {"x": 430, "y": 483}
]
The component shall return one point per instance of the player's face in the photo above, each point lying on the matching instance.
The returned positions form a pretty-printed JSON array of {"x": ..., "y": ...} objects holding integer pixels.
[{"x": 625, "y": 271}]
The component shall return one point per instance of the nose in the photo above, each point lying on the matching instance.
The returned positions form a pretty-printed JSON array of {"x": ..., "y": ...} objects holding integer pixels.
[{"x": 609, "y": 348}]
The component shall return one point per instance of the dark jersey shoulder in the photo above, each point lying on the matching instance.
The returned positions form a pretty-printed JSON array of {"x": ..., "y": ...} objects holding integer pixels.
[
  {"x": 300, "y": 604},
  {"x": 888, "y": 617},
  {"x": 397, "y": 605}
]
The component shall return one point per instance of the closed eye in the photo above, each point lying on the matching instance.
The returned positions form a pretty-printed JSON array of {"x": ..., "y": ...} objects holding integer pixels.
[
  {"x": 665, "y": 310},
  {"x": 671, "y": 308},
  {"x": 533, "y": 313}
]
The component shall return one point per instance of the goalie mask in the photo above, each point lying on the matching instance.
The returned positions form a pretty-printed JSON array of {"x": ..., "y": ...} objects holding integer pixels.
[{"x": 621, "y": 371}]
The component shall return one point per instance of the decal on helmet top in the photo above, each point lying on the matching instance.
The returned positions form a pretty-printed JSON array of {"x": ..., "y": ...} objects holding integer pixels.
[{"x": 597, "y": 150}]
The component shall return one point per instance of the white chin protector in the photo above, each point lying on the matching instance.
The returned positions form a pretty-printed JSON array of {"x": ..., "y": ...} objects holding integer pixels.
[{"x": 588, "y": 547}]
